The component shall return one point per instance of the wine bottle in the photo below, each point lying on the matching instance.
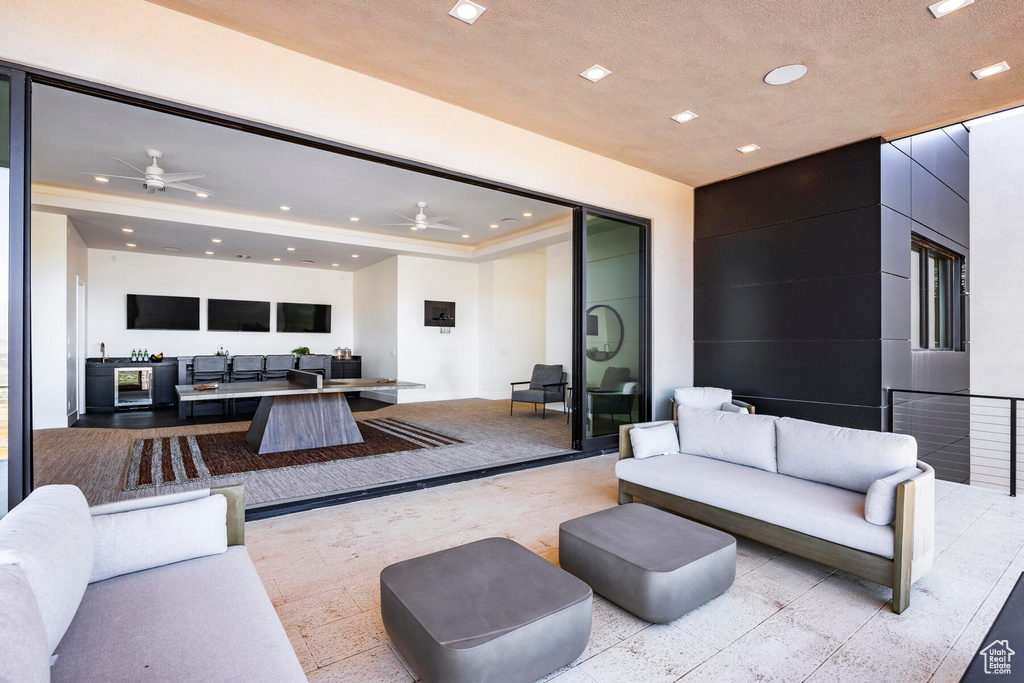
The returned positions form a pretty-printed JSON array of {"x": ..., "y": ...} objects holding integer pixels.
[
  {"x": 133, "y": 355},
  {"x": 145, "y": 356}
]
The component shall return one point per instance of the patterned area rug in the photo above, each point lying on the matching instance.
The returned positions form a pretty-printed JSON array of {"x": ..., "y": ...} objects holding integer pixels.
[{"x": 180, "y": 459}]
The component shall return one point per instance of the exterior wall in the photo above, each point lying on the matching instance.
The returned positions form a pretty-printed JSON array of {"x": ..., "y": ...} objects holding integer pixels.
[
  {"x": 788, "y": 287},
  {"x": 222, "y": 70}
]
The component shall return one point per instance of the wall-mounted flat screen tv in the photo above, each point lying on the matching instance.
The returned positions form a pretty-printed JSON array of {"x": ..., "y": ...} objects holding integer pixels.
[
  {"x": 148, "y": 312},
  {"x": 303, "y": 317},
  {"x": 229, "y": 315}
]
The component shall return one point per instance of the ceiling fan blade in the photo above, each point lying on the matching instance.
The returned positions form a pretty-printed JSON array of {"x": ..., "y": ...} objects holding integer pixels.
[
  {"x": 189, "y": 188},
  {"x": 404, "y": 218},
  {"x": 107, "y": 175},
  {"x": 438, "y": 219},
  {"x": 179, "y": 177},
  {"x": 386, "y": 225},
  {"x": 122, "y": 161},
  {"x": 443, "y": 227}
]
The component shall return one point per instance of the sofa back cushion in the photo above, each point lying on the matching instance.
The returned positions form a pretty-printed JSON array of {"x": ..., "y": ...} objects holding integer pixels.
[
  {"x": 848, "y": 458},
  {"x": 737, "y": 438},
  {"x": 545, "y": 374},
  {"x": 26, "y": 655},
  {"x": 49, "y": 535},
  {"x": 152, "y": 537},
  {"x": 708, "y": 398}
]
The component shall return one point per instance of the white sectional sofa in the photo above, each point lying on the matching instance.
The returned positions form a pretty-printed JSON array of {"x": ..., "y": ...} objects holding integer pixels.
[
  {"x": 852, "y": 499},
  {"x": 155, "y": 589}
]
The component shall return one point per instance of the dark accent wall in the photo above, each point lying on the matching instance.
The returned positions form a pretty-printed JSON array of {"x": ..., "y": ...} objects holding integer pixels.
[{"x": 802, "y": 289}]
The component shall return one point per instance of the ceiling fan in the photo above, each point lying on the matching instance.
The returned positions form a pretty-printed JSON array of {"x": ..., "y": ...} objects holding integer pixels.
[
  {"x": 155, "y": 180},
  {"x": 421, "y": 222}
]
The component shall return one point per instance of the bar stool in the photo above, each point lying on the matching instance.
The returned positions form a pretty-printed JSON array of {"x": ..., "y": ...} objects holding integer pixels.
[
  {"x": 206, "y": 369},
  {"x": 246, "y": 368},
  {"x": 277, "y": 366},
  {"x": 314, "y": 363}
]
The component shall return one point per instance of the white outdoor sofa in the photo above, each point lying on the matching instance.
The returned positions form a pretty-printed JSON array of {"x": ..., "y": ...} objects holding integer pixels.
[
  {"x": 154, "y": 589},
  {"x": 799, "y": 486}
]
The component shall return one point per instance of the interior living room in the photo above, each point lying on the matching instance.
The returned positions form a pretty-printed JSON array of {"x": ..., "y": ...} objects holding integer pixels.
[{"x": 459, "y": 342}]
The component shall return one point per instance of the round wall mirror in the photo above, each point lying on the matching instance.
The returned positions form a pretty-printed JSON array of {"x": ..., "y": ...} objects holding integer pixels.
[{"x": 604, "y": 332}]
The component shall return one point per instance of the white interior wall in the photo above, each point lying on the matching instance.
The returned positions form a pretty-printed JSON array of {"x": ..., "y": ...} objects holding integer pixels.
[
  {"x": 77, "y": 271},
  {"x": 115, "y": 274},
  {"x": 214, "y": 68},
  {"x": 49, "y": 320},
  {"x": 446, "y": 363},
  {"x": 558, "y": 306},
  {"x": 375, "y": 307}
]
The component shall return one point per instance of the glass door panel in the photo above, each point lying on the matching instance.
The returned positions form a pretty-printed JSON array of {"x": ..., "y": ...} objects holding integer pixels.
[
  {"x": 614, "y": 321},
  {"x": 5, "y": 234}
]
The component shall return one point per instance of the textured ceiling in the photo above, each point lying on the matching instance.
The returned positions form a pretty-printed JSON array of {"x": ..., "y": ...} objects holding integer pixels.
[{"x": 876, "y": 69}]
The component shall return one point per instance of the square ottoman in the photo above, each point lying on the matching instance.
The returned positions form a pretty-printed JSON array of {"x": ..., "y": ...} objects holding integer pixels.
[
  {"x": 490, "y": 610},
  {"x": 652, "y": 563}
]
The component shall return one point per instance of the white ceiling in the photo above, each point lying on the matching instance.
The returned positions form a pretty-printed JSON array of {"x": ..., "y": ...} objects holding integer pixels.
[{"x": 75, "y": 137}]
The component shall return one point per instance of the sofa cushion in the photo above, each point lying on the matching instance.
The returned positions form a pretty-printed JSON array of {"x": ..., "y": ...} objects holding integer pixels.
[
  {"x": 848, "y": 458},
  {"x": 730, "y": 407},
  {"x": 207, "y": 619},
  {"x": 131, "y": 541},
  {"x": 658, "y": 439},
  {"x": 49, "y": 535},
  {"x": 709, "y": 398},
  {"x": 818, "y": 510},
  {"x": 26, "y": 655},
  {"x": 742, "y": 439},
  {"x": 880, "y": 501}
]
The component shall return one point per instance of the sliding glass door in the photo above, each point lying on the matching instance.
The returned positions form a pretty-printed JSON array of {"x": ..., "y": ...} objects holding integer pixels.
[{"x": 613, "y": 365}]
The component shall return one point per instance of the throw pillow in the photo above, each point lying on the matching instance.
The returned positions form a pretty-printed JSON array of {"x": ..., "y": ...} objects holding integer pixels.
[
  {"x": 741, "y": 439},
  {"x": 656, "y": 440}
]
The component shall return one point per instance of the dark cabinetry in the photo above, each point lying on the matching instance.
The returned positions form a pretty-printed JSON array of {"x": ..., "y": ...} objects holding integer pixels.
[
  {"x": 99, "y": 386},
  {"x": 346, "y": 369},
  {"x": 99, "y": 382}
]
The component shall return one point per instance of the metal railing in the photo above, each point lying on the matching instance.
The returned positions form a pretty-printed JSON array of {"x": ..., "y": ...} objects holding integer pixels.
[{"x": 967, "y": 438}]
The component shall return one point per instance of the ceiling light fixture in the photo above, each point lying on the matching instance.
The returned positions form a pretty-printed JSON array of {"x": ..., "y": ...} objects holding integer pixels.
[
  {"x": 527, "y": 215},
  {"x": 684, "y": 116},
  {"x": 785, "y": 74},
  {"x": 215, "y": 240},
  {"x": 101, "y": 179},
  {"x": 285, "y": 208},
  {"x": 595, "y": 73},
  {"x": 209, "y": 253},
  {"x": 335, "y": 265},
  {"x": 991, "y": 70},
  {"x": 276, "y": 258},
  {"x": 355, "y": 255},
  {"x": 202, "y": 195},
  {"x": 290, "y": 248},
  {"x": 467, "y": 11},
  {"x": 354, "y": 219},
  {"x": 465, "y": 237},
  {"x": 494, "y": 225},
  {"x": 941, "y": 9},
  {"x": 129, "y": 244},
  {"x": 747, "y": 149},
  {"x": 127, "y": 229}
]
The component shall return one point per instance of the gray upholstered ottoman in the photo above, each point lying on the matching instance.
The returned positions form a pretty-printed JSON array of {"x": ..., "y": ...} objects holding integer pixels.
[
  {"x": 485, "y": 611},
  {"x": 652, "y": 563}
]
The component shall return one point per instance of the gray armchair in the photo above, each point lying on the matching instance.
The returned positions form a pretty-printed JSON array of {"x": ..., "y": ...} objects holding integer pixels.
[
  {"x": 547, "y": 385},
  {"x": 616, "y": 395}
]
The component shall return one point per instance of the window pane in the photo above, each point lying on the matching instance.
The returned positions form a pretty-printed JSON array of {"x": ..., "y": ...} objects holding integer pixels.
[
  {"x": 915, "y": 298},
  {"x": 613, "y": 324},
  {"x": 938, "y": 302}
]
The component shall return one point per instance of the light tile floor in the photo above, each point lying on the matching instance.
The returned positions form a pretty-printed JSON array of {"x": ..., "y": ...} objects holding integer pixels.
[{"x": 784, "y": 619}]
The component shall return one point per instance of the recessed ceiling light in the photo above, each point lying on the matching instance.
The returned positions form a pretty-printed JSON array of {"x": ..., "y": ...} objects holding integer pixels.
[
  {"x": 215, "y": 240},
  {"x": 527, "y": 215},
  {"x": 465, "y": 237},
  {"x": 354, "y": 219},
  {"x": 413, "y": 228},
  {"x": 941, "y": 9},
  {"x": 335, "y": 265},
  {"x": 494, "y": 225},
  {"x": 209, "y": 253},
  {"x": 276, "y": 258},
  {"x": 747, "y": 149},
  {"x": 172, "y": 249},
  {"x": 306, "y": 261},
  {"x": 467, "y": 11},
  {"x": 785, "y": 74},
  {"x": 595, "y": 73},
  {"x": 290, "y": 248},
  {"x": 285, "y": 208},
  {"x": 355, "y": 255},
  {"x": 127, "y": 229},
  {"x": 684, "y": 116},
  {"x": 101, "y": 179},
  {"x": 991, "y": 70},
  {"x": 202, "y": 195},
  {"x": 129, "y": 244}
]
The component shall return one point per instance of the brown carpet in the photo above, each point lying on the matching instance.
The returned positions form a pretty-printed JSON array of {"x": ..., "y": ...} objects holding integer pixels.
[{"x": 181, "y": 459}]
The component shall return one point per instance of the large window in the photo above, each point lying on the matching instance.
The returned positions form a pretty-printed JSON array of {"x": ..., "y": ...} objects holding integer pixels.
[{"x": 935, "y": 306}]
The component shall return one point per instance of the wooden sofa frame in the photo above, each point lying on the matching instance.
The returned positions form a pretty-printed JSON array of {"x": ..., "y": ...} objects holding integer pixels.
[
  {"x": 235, "y": 496},
  {"x": 894, "y": 573}
]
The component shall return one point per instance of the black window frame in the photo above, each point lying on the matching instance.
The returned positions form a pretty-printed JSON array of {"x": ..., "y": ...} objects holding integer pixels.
[{"x": 923, "y": 249}]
